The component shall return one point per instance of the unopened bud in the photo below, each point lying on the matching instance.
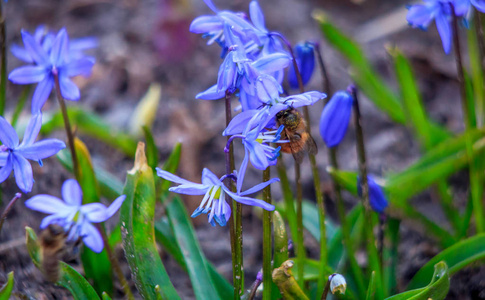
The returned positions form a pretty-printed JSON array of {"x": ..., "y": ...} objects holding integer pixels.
[{"x": 337, "y": 283}]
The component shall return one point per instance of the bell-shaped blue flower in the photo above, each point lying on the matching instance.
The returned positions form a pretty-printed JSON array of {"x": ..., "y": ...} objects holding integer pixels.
[
  {"x": 214, "y": 191},
  {"x": 335, "y": 118},
  {"x": 305, "y": 59},
  {"x": 51, "y": 62},
  {"x": 14, "y": 155},
  {"x": 74, "y": 217},
  {"x": 377, "y": 198}
]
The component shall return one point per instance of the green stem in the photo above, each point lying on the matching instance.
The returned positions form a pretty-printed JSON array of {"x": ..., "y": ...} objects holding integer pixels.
[
  {"x": 20, "y": 105},
  {"x": 115, "y": 264},
  {"x": 288, "y": 199},
  {"x": 368, "y": 227},
  {"x": 327, "y": 287},
  {"x": 67, "y": 126},
  {"x": 267, "y": 240},
  {"x": 235, "y": 222},
  {"x": 3, "y": 70},
  {"x": 475, "y": 175},
  {"x": 8, "y": 208},
  {"x": 300, "y": 246}
]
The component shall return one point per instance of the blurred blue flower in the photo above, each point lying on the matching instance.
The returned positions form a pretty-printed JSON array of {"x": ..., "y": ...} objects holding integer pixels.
[
  {"x": 14, "y": 155},
  {"x": 377, "y": 198},
  {"x": 479, "y": 4},
  {"x": 335, "y": 118},
  {"x": 74, "y": 217},
  {"x": 305, "y": 59},
  {"x": 214, "y": 191},
  {"x": 45, "y": 38},
  {"x": 50, "y": 63}
]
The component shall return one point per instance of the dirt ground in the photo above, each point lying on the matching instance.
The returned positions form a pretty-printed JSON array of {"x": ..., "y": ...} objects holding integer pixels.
[{"x": 148, "y": 41}]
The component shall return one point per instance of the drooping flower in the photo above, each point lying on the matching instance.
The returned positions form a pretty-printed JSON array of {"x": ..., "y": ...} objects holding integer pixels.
[
  {"x": 337, "y": 284},
  {"x": 305, "y": 59},
  {"x": 75, "y": 218},
  {"x": 14, "y": 155},
  {"x": 377, "y": 198},
  {"x": 214, "y": 191},
  {"x": 52, "y": 62},
  {"x": 335, "y": 118}
]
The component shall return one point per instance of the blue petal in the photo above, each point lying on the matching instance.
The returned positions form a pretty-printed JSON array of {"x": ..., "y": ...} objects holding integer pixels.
[
  {"x": 47, "y": 204},
  {"x": 212, "y": 93},
  {"x": 23, "y": 173},
  {"x": 242, "y": 171},
  {"x": 267, "y": 88},
  {"x": 335, "y": 118},
  {"x": 204, "y": 24},
  {"x": 60, "y": 48},
  {"x": 28, "y": 74},
  {"x": 72, "y": 193},
  {"x": 209, "y": 178},
  {"x": 272, "y": 62},
  {"x": 257, "y": 15},
  {"x": 479, "y": 4},
  {"x": 377, "y": 198},
  {"x": 305, "y": 60},
  {"x": 259, "y": 187},
  {"x": 461, "y": 7},
  {"x": 308, "y": 98},
  {"x": 42, "y": 92},
  {"x": 32, "y": 130},
  {"x": 42, "y": 149},
  {"x": 82, "y": 66},
  {"x": 192, "y": 189},
  {"x": 69, "y": 89},
  {"x": 115, "y": 205},
  {"x": 81, "y": 44},
  {"x": 8, "y": 136},
  {"x": 6, "y": 169},
  {"x": 211, "y": 5},
  {"x": 95, "y": 212},
  {"x": 91, "y": 237},
  {"x": 444, "y": 29},
  {"x": 34, "y": 49},
  {"x": 257, "y": 155},
  {"x": 250, "y": 201},
  {"x": 21, "y": 53},
  {"x": 171, "y": 177},
  {"x": 3, "y": 158},
  {"x": 227, "y": 75},
  {"x": 239, "y": 122}
]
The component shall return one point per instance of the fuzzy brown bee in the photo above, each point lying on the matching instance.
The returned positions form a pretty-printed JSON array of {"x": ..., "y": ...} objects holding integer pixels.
[
  {"x": 52, "y": 245},
  {"x": 300, "y": 141}
]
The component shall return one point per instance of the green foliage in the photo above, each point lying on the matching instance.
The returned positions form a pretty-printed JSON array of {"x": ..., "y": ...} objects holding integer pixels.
[
  {"x": 137, "y": 229},
  {"x": 69, "y": 278},
  {"x": 6, "y": 289}
]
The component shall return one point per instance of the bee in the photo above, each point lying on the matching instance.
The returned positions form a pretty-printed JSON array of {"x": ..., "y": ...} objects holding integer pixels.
[
  {"x": 52, "y": 245},
  {"x": 300, "y": 141}
]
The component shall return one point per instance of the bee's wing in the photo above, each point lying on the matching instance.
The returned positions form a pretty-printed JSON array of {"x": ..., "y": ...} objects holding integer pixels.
[
  {"x": 310, "y": 145},
  {"x": 297, "y": 153}
]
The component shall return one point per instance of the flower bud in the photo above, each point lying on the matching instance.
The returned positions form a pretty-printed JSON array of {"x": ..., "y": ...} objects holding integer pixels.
[
  {"x": 377, "y": 198},
  {"x": 337, "y": 284},
  {"x": 335, "y": 118},
  {"x": 305, "y": 59}
]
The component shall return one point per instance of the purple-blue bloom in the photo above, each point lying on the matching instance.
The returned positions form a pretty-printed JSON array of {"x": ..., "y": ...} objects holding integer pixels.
[
  {"x": 51, "y": 62},
  {"x": 214, "y": 191},
  {"x": 14, "y": 155},
  {"x": 305, "y": 59},
  {"x": 377, "y": 198},
  {"x": 335, "y": 118},
  {"x": 74, "y": 217}
]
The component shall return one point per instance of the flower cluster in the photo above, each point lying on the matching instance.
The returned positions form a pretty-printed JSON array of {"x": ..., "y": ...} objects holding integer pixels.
[
  {"x": 421, "y": 15},
  {"x": 253, "y": 68}
]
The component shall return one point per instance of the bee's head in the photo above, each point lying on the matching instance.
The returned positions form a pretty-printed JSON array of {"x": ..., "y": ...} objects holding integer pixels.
[{"x": 289, "y": 117}]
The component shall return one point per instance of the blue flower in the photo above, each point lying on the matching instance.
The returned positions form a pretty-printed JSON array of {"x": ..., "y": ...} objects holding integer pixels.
[
  {"x": 305, "y": 59},
  {"x": 214, "y": 192},
  {"x": 377, "y": 198},
  {"x": 14, "y": 155},
  {"x": 50, "y": 63},
  {"x": 74, "y": 217},
  {"x": 479, "y": 4},
  {"x": 335, "y": 118}
]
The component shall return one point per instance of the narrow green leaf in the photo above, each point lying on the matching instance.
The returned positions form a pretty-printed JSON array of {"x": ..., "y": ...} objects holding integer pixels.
[
  {"x": 137, "y": 229},
  {"x": 371, "y": 290},
  {"x": 391, "y": 255},
  {"x": 97, "y": 266},
  {"x": 456, "y": 257},
  {"x": 69, "y": 278},
  {"x": 6, "y": 290},
  {"x": 105, "y": 296},
  {"x": 193, "y": 256},
  {"x": 92, "y": 125},
  {"x": 437, "y": 289},
  {"x": 477, "y": 77},
  {"x": 152, "y": 151}
]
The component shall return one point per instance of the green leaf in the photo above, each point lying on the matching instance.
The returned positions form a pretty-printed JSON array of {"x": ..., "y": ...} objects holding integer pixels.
[
  {"x": 152, "y": 151},
  {"x": 68, "y": 277},
  {"x": 437, "y": 289},
  {"x": 105, "y": 296},
  {"x": 92, "y": 125},
  {"x": 6, "y": 290},
  {"x": 367, "y": 78},
  {"x": 137, "y": 229},
  {"x": 371, "y": 290},
  {"x": 97, "y": 266},
  {"x": 280, "y": 240},
  {"x": 477, "y": 77},
  {"x": 284, "y": 279},
  {"x": 456, "y": 257},
  {"x": 193, "y": 256}
]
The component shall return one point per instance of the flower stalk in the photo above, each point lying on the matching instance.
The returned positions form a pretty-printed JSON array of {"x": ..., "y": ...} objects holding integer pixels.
[
  {"x": 267, "y": 239},
  {"x": 235, "y": 222},
  {"x": 3, "y": 54},
  {"x": 8, "y": 208},
  {"x": 368, "y": 225},
  {"x": 67, "y": 126}
]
